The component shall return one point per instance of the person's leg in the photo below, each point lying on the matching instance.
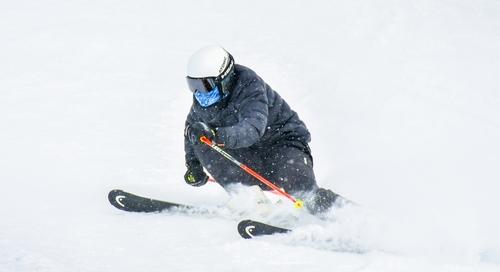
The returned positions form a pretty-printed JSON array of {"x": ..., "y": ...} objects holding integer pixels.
[
  {"x": 224, "y": 171},
  {"x": 291, "y": 168},
  {"x": 288, "y": 167}
]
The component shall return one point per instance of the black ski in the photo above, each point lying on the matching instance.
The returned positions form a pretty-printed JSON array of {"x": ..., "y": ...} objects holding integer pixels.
[
  {"x": 249, "y": 229},
  {"x": 134, "y": 203}
]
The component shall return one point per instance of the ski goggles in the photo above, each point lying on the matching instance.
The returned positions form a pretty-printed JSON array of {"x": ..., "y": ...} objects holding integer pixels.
[
  {"x": 204, "y": 85},
  {"x": 207, "y": 84}
]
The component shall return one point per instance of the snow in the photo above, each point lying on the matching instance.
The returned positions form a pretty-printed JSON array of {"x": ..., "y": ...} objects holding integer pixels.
[{"x": 402, "y": 99}]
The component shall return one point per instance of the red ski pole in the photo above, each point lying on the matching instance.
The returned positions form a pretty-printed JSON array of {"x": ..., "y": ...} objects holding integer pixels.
[{"x": 297, "y": 202}]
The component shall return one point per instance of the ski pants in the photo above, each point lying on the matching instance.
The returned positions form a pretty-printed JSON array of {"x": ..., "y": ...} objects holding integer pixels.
[{"x": 289, "y": 166}]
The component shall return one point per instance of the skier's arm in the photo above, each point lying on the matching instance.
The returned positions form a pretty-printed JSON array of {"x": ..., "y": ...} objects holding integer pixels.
[
  {"x": 191, "y": 159},
  {"x": 253, "y": 113}
]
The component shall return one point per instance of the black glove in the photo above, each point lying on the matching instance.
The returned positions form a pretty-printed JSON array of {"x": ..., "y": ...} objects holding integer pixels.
[
  {"x": 196, "y": 130},
  {"x": 195, "y": 176}
]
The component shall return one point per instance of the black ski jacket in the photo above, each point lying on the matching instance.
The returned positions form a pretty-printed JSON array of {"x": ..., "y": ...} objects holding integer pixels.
[{"x": 253, "y": 115}]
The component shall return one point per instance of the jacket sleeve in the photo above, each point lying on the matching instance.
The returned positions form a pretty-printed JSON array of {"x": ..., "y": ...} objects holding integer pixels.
[
  {"x": 190, "y": 156},
  {"x": 252, "y": 119}
]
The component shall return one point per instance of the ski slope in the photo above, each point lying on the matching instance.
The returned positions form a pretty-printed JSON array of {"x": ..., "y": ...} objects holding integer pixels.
[{"x": 401, "y": 97}]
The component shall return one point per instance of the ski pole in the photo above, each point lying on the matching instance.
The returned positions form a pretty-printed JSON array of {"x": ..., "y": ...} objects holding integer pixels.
[{"x": 297, "y": 202}]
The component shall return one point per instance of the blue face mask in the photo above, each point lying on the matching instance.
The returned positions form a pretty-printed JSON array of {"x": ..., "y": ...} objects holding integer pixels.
[{"x": 208, "y": 98}]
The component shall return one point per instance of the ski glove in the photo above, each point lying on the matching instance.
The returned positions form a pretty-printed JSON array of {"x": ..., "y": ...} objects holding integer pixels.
[
  {"x": 194, "y": 132},
  {"x": 195, "y": 176}
]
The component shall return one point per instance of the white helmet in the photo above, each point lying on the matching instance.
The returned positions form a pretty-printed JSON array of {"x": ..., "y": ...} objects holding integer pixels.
[
  {"x": 209, "y": 61},
  {"x": 210, "y": 67}
]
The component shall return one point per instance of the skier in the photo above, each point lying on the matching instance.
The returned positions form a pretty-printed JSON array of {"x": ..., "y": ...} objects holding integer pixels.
[{"x": 236, "y": 109}]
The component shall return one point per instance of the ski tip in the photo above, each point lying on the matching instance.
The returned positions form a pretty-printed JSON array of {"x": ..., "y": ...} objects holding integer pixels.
[
  {"x": 249, "y": 229},
  {"x": 245, "y": 228},
  {"x": 115, "y": 197},
  {"x": 113, "y": 193}
]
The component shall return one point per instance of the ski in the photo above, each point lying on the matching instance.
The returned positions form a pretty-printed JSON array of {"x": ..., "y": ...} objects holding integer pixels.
[
  {"x": 126, "y": 201},
  {"x": 249, "y": 229},
  {"x": 133, "y": 203}
]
